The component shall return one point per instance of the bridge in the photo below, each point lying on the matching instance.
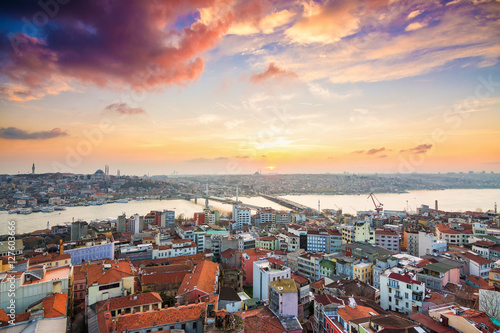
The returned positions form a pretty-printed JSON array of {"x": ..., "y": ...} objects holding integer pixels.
[
  {"x": 190, "y": 196},
  {"x": 291, "y": 204}
]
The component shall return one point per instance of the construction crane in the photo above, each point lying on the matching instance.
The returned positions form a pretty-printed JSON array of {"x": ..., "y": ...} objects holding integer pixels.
[{"x": 378, "y": 207}]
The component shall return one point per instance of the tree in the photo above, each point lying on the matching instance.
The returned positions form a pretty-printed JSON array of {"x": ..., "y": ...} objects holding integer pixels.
[{"x": 489, "y": 302}]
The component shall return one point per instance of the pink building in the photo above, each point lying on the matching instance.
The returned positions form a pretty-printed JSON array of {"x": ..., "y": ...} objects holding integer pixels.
[
  {"x": 437, "y": 275},
  {"x": 247, "y": 259},
  {"x": 283, "y": 297}
]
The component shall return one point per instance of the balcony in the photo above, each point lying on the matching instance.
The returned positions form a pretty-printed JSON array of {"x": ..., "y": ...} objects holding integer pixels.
[{"x": 398, "y": 296}]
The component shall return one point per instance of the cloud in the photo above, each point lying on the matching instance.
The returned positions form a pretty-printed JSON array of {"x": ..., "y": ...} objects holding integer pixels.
[
  {"x": 414, "y": 26},
  {"x": 358, "y": 152},
  {"x": 207, "y": 160},
  {"x": 124, "y": 108},
  {"x": 414, "y": 13},
  {"x": 242, "y": 157},
  {"x": 208, "y": 118},
  {"x": 382, "y": 156},
  {"x": 420, "y": 149},
  {"x": 273, "y": 72},
  {"x": 325, "y": 23},
  {"x": 230, "y": 124},
  {"x": 14, "y": 133},
  {"x": 136, "y": 43},
  {"x": 371, "y": 44},
  {"x": 375, "y": 151}
]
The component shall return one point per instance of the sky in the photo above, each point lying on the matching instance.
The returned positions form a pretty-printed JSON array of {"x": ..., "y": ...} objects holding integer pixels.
[{"x": 233, "y": 87}]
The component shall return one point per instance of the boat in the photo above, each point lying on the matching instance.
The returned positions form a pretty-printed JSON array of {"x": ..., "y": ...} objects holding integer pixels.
[
  {"x": 121, "y": 201},
  {"x": 59, "y": 208},
  {"x": 25, "y": 211},
  {"x": 13, "y": 211},
  {"x": 48, "y": 209}
]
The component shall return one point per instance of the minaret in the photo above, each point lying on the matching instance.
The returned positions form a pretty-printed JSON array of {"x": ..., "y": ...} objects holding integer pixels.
[
  {"x": 206, "y": 198},
  {"x": 236, "y": 193},
  {"x": 33, "y": 169}
]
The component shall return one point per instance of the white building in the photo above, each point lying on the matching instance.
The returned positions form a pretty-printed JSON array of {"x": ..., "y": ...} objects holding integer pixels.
[
  {"x": 283, "y": 217},
  {"x": 263, "y": 273},
  {"x": 387, "y": 239},
  {"x": 246, "y": 241},
  {"x": 400, "y": 292},
  {"x": 176, "y": 248},
  {"x": 266, "y": 215},
  {"x": 137, "y": 224},
  {"x": 242, "y": 216},
  {"x": 32, "y": 286},
  {"x": 429, "y": 244}
]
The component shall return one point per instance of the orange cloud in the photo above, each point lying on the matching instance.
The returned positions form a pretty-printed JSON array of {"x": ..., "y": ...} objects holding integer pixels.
[{"x": 272, "y": 72}]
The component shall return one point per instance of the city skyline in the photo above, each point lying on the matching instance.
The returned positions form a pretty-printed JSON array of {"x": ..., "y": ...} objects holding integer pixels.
[{"x": 232, "y": 87}]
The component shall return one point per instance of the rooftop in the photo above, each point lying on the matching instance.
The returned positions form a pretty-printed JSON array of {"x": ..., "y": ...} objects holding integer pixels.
[
  {"x": 439, "y": 267},
  {"x": 139, "y": 320},
  {"x": 284, "y": 285},
  {"x": 129, "y": 301}
]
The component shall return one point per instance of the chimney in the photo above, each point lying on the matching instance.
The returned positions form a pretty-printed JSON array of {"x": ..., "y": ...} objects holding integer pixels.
[
  {"x": 61, "y": 247},
  {"x": 436, "y": 205}
]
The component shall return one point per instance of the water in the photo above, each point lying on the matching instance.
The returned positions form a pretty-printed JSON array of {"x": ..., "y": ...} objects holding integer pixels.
[{"x": 450, "y": 200}]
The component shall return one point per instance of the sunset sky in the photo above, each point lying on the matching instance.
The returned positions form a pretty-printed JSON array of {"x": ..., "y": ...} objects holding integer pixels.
[{"x": 231, "y": 87}]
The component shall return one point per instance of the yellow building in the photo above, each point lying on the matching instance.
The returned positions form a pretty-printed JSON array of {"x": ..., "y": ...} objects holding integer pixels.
[
  {"x": 494, "y": 278},
  {"x": 269, "y": 243},
  {"x": 363, "y": 272}
]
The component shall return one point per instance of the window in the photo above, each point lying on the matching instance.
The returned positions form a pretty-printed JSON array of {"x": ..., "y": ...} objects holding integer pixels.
[{"x": 406, "y": 295}]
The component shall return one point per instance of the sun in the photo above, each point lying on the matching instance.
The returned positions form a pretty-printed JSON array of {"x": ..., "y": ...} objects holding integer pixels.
[{"x": 271, "y": 167}]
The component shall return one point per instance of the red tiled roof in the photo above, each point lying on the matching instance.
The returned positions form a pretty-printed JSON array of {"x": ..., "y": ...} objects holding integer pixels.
[
  {"x": 25, "y": 316},
  {"x": 476, "y": 257},
  {"x": 105, "y": 321},
  {"x": 203, "y": 278},
  {"x": 3, "y": 316},
  {"x": 267, "y": 238},
  {"x": 320, "y": 284},
  {"x": 256, "y": 252},
  {"x": 426, "y": 262},
  {"x": 385, "y": 232},
  {"x": 118, "y": 270},
  {"x": 327, "y": 299},
  {"x": 430, "y": 323},
  {"x": 140, "y": 320},
  {"x": 55, "y": 306},
  {"x": 349, "y": 313},
  {"x": 484, "y": 244},
  {"x": 228, "y": 253},
  {"x": 406, "y": 278},
  {"x": 261, "y": 320},
  {"x": 482, "y": 283},
  {"x": 129, "y": 301},
  {"x": 163, "y": 278},
  {"x": 299, "y": 279},
  {"x": 477, "y": 317}
]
